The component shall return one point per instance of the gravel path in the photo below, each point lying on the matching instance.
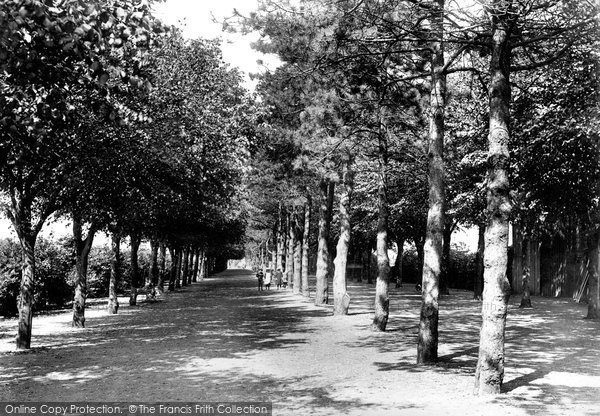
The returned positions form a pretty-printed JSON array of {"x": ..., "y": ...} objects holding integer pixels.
[{"x": 223, "y": 340}]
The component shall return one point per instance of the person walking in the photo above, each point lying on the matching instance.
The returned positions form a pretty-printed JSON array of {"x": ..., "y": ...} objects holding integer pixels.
[
  {"x": 268, "y": 279},
  {"x": 260, "y": 276},
  {"x": 279, "y": 279}
]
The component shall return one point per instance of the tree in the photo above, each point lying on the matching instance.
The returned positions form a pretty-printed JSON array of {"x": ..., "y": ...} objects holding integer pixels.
[
  {"x": 341, "y": 299},
  {"x": 504, "y": 16},
  {"x": 432, "y": 268},
  {"x": 39, "y": 104}
]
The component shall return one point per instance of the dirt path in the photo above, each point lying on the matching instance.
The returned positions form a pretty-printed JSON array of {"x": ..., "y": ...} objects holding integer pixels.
[{"x": 222, "y": 340}]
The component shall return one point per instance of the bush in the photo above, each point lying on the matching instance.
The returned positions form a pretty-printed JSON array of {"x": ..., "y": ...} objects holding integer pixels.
[
  {"x": 54, "y": 261},
  {"x": 10, "y": 276},
  {"x": 56, "y": 273},
  {"x": 461, "y": 273},
  {"x": 463, "y": 269}
]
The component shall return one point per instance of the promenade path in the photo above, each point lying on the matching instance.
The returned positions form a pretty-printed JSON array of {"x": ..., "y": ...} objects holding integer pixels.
[{"x": 221, "y": 339}]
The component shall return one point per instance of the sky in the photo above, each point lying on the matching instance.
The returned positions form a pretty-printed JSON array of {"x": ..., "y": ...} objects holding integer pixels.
[{"x": 197, "y": 18}]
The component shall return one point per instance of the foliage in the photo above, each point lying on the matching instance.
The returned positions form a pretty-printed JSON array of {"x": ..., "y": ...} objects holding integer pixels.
[
  {"x": 555, "y": 146},
  {"x": 54, "y": 262}
]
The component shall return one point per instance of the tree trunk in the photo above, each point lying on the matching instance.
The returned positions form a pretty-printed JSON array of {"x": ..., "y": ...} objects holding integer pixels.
[
  {"x": 280, "y": 240},
  {"x": 382, "y": 300},
  {"x": 186, "y": 266},
  {"x": 427, "y": 343},
  {"x": 196, "y": 257},
  {"x": 496, "y": 291},
  {"x": 289, "y": 266},
  {"x": 517, "y": 259},
  {"x": 321, "y": 295},
  {"x": 526, "y": 276},
  {"x": 202, "y": 264},
  {"x": 162, "y": 260},
  {"x": 25, "y": 302},
  {"x": 82, "y": 251},
  {"x": 478, "y": 290},
  {"x": 153, "y": 275},
  {"x": 398, "y": 263},
  {"x": 594, "y": 280},
  {"x": 172, "y": 271},
  {"x": 115, "y": 274},
  {"x": 341, "y": 299},
  {"x": 297, "y": 250},
  {"x": 534, "y": 268},
  {"x": 305, "y": 249},
  {"x": 178, "y": 261},
  {"x": 135, "y": 268}
]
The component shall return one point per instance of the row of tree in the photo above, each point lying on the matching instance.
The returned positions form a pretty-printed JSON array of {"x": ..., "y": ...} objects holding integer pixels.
[
  {"x": 113, "y": 120},
  {"x": 426, "y": 114}
]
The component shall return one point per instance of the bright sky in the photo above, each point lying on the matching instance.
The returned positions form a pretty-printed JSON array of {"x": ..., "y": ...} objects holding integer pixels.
[{"x": 197, "y": 19}]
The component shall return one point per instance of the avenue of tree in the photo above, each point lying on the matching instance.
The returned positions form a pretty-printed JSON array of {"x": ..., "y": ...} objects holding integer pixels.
[
  {"x": 112, "y": 120},
  {"x": 414, "y": 116},
  {"x": 387, "y": 122}
]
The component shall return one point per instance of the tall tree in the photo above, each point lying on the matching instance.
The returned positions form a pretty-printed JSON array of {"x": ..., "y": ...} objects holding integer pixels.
[
  {"x": 428, "y": 325},
  {"x": 341, "y": 299}
]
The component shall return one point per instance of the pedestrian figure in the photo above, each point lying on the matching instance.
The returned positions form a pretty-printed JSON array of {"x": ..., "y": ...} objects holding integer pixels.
[
  {"x": 268, "y": 279},
  {"x": 260, "y": 276},
  {"x": 278, "y": 279},
  {"x": 286, "y": 279}
]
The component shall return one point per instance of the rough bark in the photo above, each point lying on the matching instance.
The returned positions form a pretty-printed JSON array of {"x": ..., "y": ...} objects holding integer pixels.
[
  {"x": 489, "y": 373},
  {"x": 341, "y": 299},
  {"x": 289, "y": 266},
  {"x": 27, "y": 242},
  {"x": 478, "y": 289},
  {"x": 305, "y": 249},
  {"x": 382, "y": 300},
  {"x": 82, "y": 251},
  {"x": 115, "y": 274},
  {"x": 135, "y": 269},
  {"x": 280, "y": 239},
  {"x": 326, "y": 188},
  {"x": 427, "y": 343},
  {"x": 298, "y": 225},
  {"x": 20, "y": 214}
]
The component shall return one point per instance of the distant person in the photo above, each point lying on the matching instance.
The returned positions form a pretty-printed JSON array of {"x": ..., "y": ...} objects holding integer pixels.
[
  {"x": 286, "y": 278},
  {"x": 260, "y": 276},
  {"x": 279, "y": 279},
  {"x": 268, "y": 279}
]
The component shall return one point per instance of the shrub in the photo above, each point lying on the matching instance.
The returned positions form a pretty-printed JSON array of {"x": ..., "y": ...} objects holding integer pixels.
[{"x": 54, "y": 261}]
